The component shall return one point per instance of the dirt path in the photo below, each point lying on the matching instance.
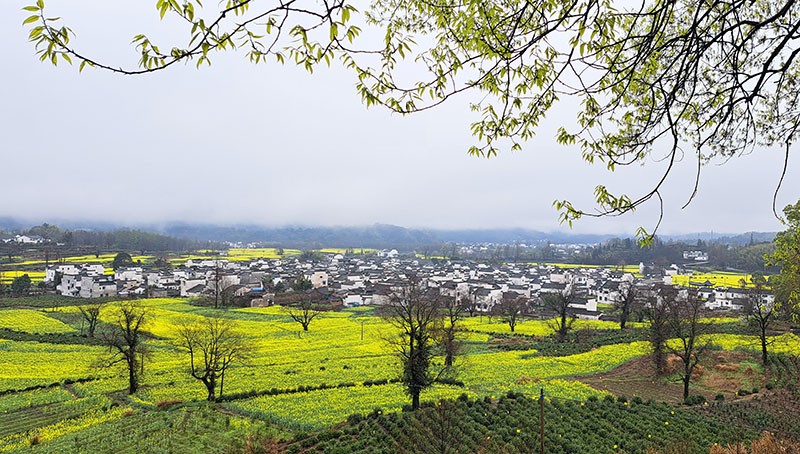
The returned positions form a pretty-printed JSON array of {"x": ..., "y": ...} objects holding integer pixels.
[{"x": 721, "y": 372}]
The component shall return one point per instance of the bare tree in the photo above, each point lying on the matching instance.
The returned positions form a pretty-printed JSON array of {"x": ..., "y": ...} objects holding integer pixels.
[
  {"x": 124, "y": 341},
  {"x": 685, "y": 329},
  {"x": 453, "y": 311},
  {"x": 565, "y": 317},
  {"x": 511, "y": 308},
  {"x": 470, "y": 303},
  {"x": 92, "y": 315},
  {"x": 213, "y": 345},
  {"x": 217, "y": 283},
  {"x": 303, "y": 312},
  {"x": 414, "y": 309},
  {"x": 658, "y": 314},
  {"x": 628, "y": 295},
  {"x": 760, "y": 313}
]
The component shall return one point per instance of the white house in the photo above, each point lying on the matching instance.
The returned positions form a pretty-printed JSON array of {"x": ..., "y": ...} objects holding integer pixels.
[
  {"x": 135, "y": 274},
  {"x": 189, "y": 287},
  {"x": 318, "y": 279},
  {"x": 50, "y": 271},
  {"x": 70, "y": 285},
  {"x": 97, "y": 286}
]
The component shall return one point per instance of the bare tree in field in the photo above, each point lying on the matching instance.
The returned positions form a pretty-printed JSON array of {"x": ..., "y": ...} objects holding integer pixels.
[
  {"x": 625, "y": 302},
  {"x": 760, "y": 314},
  {"x": 125, "y": 342},
  {"x": 92, "y": 315},
  {"x": 213, "y": 345},
  {"x": 470, "y": 303},
  {"x": 414, "y": 310},
  {"x": 453, "y": 311},
  {"x": 565, "y": 317},
  {"x": 685, "y": 329},
  {"x": 511, "y": 308},
  {"x": 304, "y": 312},
  {"x": 217, "y": 282},
  {"x": 658, "y": 314}
]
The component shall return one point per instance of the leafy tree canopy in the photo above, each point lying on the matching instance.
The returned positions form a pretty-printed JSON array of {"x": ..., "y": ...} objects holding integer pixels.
[
  {"x": 21, "y": 285},
  {"x": 122, "y": 259},
  {"x": 786, "y": 284},
  {"x": 661, "y": 79}
]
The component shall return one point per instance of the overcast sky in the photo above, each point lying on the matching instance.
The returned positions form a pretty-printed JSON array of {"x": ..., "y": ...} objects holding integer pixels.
[{"x": 272, "y": 145}]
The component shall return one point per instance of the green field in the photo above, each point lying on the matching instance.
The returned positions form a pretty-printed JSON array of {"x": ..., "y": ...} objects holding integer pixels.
[{"x": 77, "y": 402}]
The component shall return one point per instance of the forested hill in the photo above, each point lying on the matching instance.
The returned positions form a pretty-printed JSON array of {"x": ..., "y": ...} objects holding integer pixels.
[
  {"x": 119, "y": 239},
  {"x": 377, "y": 235}
]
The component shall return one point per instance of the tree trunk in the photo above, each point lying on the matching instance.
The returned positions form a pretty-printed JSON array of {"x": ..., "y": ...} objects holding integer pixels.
[
  {"x": 133, "y": 382},
  {"x": 686, "y": 379},
  {"x": 764, "y": 358},
  {"x": 687, "y": 376},
  {"x": 658, "y": 360},
  {"x": 449, "y": 349},
  {"x": 305, "y": 326},
  {"x": 414, "y": 398},
  {"x": 210, "y": 386}
]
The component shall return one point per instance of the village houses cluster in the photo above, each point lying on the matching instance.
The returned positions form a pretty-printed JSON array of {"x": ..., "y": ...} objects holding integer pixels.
[{"x": 355, "y": 280}]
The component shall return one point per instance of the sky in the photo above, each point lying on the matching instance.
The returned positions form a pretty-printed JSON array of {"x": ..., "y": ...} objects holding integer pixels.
[{"x": 272, "y": 145}]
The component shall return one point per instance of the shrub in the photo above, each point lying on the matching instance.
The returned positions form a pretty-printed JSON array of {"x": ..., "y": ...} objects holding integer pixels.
[
  {"x": 719, "y": 397},
  {"x": 743, "y": 392},
  {"x": 355, "y": 418},
  {"x": 450, "y": 381},
  {"x": 770, "y": 385},
  {"x": 695, "y": 400},
  {"x": 637, "y": 400},
  {"x": 622, "y": 399}
]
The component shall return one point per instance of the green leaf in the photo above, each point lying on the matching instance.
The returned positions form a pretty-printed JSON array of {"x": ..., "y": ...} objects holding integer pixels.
[
  {"x": 30, "y": 19},
  {"x": 31, "y": 8},
  {"x": 35, "y": 33}
]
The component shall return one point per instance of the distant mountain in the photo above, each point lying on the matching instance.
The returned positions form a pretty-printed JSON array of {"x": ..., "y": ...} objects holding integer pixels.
[
  {"x": 507, "y": 236},
  {"x": 10, "y": 224},
  {"x": 376, "y": 236}
]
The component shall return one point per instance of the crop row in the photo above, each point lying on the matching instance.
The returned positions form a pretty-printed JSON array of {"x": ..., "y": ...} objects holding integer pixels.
[
  {"x": 28, "y": 419},
  {"x": 156, "y": 431},
  {"x": 511, "y": 424}
]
